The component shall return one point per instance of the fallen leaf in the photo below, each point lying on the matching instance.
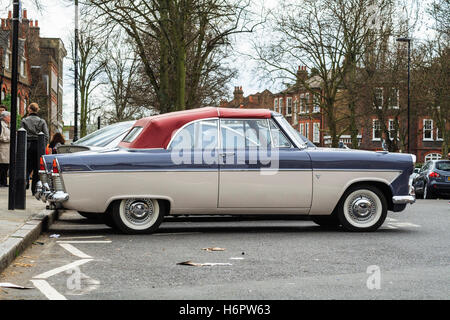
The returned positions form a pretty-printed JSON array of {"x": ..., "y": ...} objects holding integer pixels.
[
  {"x": 25, "y": 265},
  {"x": 214, "y": 249}
]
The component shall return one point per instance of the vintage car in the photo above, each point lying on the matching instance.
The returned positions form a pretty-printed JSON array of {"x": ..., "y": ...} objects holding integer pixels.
[
  {"x": 104, "y": 138},
  {"x": 223, "y": 161}
]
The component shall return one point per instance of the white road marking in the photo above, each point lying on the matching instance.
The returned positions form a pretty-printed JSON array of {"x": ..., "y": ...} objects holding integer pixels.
[
  {"x": 69, "y": 266},
  {"x": 391, "y": 227},
  {"x": 78, "y": 241},
  {"x": 75, "y": 251},
  {"x": 391, "y": 219},
  {"x": 236, "y": 258},
  {"x": 84, "y": 237},
  {"x": 405, "y": 224},
  {"x": 46, "y": 289}
]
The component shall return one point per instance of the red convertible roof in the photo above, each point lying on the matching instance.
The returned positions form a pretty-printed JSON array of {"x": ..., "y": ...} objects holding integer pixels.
[{"x": 158, "y": 130}]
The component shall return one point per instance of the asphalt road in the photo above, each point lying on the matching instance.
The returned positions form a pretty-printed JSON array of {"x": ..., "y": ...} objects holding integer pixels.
[{"x": 275, "y": 259}]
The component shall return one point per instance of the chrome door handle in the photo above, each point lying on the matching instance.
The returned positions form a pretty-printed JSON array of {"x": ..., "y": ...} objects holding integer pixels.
[{"x": 224, "y": 154}]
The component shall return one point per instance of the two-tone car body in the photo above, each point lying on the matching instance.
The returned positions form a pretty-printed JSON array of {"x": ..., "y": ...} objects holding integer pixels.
[{"x": 221, "y": 161}]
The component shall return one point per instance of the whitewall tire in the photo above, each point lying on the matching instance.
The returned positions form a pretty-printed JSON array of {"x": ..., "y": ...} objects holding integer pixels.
[
  {"x": 362, "y": 208},
  {"x": 137, "y": 216}
]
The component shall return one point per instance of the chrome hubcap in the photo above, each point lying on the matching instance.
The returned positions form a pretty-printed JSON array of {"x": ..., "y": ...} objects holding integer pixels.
[
  {"x": 362, "y": 208},
  {"x": 138, "y": 211}
]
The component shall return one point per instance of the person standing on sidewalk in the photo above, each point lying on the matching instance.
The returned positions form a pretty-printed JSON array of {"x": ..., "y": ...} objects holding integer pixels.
[
  {"x": 5, "y": 118},
  {"x": 33, "y": 124}
]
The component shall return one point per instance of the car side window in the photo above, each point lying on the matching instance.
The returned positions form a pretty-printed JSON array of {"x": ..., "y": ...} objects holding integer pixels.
[
  {"x": 200, "y": 135},
  {"x": 279, "y": 139},
  {"x": 241, "y": 134}
]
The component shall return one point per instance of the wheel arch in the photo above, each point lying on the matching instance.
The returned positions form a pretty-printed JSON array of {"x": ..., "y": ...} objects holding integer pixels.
[
  {"x": 382, "y": 186},
  {"x": 166, "y": 201}
]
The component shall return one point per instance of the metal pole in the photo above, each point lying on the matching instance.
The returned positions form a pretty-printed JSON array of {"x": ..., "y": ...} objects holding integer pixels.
[
  {"x": 12, "y": 150},
  {"x": 409, "y": 62},
  {"x": 75, "y": 126},
  {"x": 21, "y": 170}
]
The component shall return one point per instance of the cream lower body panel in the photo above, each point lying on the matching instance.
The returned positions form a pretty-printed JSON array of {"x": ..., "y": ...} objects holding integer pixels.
[
  {"x": 258, "y": 189},
  {"x": 329, "y": 186},
  {"x": 94, "y": 191}
]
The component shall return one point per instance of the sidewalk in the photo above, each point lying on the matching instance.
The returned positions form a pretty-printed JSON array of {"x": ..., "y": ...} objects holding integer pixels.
[{"x": 20, "y": 228}]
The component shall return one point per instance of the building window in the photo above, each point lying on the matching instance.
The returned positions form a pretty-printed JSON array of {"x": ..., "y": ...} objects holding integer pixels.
[
  {"x": 316, "y": 102},
  {"x": 433, "y": 156},
  {"x": 7, "y": 61},
  {"x": 392, "y": 129},
  {"x": 439, "y": 136},
  {"x": 393, "y": 98},
  {"x": 307, "y": 102},
  {"x": 378, "y": 95},
  {"x": 275, "y": 105},
  {"x": 288, "y": 106},
  {"x": 280, "y": 106},
  {"x": 307, "y": 130},
  {"x": 376, "y": 130},
  {"x": 302, "y": 103},
  {"x": 302, "y": 128},
  {"x": 316, "y": 132},
  {"x": 295, "y": 111},
  {"x": 22, "y": 67},
  {"x": 427, "y": 130}
]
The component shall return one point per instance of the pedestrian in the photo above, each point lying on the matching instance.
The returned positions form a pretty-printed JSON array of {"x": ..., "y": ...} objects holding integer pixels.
[
  {"x": 33, "y": 124},
  {"x": 57, "y": 140},
  {"x": 5, "y": 118}
]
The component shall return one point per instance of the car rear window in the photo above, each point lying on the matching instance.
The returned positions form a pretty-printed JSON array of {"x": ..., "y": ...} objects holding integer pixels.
[
  {"x": 443, "y": 165},
  {"x": 134, "y": 132}
]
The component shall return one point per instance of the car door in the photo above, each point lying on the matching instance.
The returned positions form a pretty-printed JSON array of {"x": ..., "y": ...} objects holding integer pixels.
[
  {"x": 260, "y": 168},
  {"x": 194, "y": 154}
]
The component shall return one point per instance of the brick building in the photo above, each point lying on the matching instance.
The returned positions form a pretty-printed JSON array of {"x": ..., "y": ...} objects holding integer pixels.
[
  {"x": 40, "y": 69},
  {"x": 302, "y": 108}
]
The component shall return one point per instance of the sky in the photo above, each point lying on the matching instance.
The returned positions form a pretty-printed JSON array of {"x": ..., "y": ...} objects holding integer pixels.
[{"x": 56, "y": 20}]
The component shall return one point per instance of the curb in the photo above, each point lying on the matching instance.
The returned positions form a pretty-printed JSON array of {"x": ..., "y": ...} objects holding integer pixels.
[{"x": 25, "y": 236}]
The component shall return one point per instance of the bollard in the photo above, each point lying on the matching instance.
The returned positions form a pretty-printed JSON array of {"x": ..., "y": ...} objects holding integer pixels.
[{"x": 21, "y": 170}]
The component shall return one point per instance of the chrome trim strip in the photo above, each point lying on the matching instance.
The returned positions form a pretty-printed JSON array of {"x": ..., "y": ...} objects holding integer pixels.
[{"x": 360, "y": 170}]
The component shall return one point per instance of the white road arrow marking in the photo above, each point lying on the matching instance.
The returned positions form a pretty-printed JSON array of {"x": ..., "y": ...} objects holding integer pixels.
[
  {"x": 47, "y": 290},
  {"x": 66, "y": 267},
  {"x": 75, "y": 251}
]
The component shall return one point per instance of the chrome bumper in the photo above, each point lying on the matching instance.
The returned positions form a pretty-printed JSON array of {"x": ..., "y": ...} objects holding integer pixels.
[
  {"x": 44, "y": 193},
  {"x": 58, "y": 196},
  {"x": 411, "y": 198},
  {"x": 403, "y": 199}
]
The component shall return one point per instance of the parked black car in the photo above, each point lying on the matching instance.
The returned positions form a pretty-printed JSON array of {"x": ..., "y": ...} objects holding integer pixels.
[{"x": 433, "y": 180}]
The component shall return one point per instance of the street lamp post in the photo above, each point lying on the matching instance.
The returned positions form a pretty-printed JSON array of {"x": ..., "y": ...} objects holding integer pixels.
[
  {"x": 75, "y": 126},
  {"x": 409, "y": 63}
]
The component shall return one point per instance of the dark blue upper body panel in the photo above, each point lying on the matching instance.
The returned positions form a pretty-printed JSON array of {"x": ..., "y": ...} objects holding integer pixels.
[{"x": 288, "y": 159}]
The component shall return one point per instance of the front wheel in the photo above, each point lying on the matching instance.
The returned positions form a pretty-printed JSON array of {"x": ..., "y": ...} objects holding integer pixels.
[
  {"x": 362, "y": 208},
  {"x": 137, "y": 216}
]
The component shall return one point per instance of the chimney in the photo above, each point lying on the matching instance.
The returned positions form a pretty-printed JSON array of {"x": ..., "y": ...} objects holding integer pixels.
[
  {"x": 3, "y": 23},
  {"x": 302, "y": 74},
  {"x": 238, "y": 94},
  {"x": 31, "y": 23},
  {"x": 24, "y": 15},
  {"x": 36, "y": 23},
  {"x": 9, "y": 15}
]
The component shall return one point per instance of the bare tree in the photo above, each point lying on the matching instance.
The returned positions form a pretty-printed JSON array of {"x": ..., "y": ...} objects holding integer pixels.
[{"x": 178, "y": 31}]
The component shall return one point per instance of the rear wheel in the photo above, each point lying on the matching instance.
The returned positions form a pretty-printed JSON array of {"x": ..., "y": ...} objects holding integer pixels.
[
  {"x": 362, "y": 208},
  {"x": 138, "y": 216}
]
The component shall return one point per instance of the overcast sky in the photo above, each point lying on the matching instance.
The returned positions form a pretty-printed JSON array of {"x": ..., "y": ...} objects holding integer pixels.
[{"x": 56, "y": 20}]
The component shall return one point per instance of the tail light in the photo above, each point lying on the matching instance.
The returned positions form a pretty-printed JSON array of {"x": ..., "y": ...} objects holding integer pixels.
[
  {"x": 434, "y": 175},
  {"x": 41, "y": 164},
  {"x": 55, "y": 167}
]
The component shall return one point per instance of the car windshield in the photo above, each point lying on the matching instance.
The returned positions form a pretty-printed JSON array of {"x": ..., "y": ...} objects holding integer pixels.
[
  {"x": 104, "y": 136},
  {"x": 293, "y": 133},
  {"x": 443, "y": 165}
]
